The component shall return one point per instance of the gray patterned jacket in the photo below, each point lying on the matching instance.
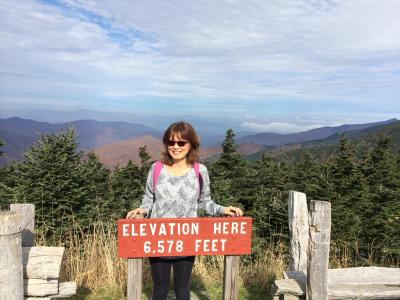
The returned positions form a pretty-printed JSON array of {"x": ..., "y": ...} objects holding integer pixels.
[{"x": 178, "y": 196}]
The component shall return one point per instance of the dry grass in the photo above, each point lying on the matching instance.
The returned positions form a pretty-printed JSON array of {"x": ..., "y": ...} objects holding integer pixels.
[
  {"x": 346, "y": 254},
  {"x": 92, "y": 261}
]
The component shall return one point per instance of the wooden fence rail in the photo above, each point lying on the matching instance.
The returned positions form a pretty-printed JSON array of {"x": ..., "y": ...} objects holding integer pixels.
[
  {"x": 28, "y": 272},
  {"x": 11, "y": 276},
  {"x": 308, "y": 276}
]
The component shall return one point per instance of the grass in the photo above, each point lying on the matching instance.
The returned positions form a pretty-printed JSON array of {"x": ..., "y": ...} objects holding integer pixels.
[{"x": 92, "y": 261}]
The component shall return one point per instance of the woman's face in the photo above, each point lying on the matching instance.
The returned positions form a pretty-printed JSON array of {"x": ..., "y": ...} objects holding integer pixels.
[{"x": 178, "y": 152}]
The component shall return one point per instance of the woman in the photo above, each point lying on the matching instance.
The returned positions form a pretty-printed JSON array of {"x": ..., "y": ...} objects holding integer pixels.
[{"x": 178, "y": 191}]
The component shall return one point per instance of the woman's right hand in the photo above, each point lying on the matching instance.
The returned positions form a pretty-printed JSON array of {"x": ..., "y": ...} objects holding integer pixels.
[{"x": 132, "y": 214}]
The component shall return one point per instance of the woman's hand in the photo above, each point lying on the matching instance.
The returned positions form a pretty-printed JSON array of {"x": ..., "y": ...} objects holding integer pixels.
[
  {"x": 132, "y": 214},
  {"x": 233, "y": 211}
]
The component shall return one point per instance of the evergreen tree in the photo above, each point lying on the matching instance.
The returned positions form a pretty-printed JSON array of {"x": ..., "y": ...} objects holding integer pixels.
[
  {"x": 270, "y": 209},
  {"x": 308, "y": 178},
  {"x": 50, "y": 177},
  {"x": 226, "y": 172},
  {"x": 96, "y": 206},
  {"x": 384, "y": 189},
  {"x": 7, "y": 184},
  {"x": 1, "y": 145},
  {"x": 126, "y": 189},
  {"x": 145, "y": 164},
  {"x": 349, "y": 198}
]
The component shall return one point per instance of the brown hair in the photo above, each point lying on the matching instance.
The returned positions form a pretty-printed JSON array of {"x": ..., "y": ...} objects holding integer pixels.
[{"x": 186, "y": 132}]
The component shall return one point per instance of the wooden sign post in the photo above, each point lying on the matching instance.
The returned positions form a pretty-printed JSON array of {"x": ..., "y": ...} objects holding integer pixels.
[{"x": 231, "y": 237}]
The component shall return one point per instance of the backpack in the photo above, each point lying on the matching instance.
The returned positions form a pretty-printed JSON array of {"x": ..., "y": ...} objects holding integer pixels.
[{"x": 159, "y": 165}]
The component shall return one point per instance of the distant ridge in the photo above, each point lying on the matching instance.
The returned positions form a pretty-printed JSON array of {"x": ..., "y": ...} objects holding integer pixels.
[
  {"x": 119, "y": 153},
  {"x": 274, "y": 139},
  {"x": 18, "y": 134},
  {"x": 117, "y": 142},
  {"x": 363, "y": 140}
]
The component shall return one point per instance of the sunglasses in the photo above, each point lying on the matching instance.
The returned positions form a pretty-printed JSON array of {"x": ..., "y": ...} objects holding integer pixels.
[{"x": 180, "y": 143}]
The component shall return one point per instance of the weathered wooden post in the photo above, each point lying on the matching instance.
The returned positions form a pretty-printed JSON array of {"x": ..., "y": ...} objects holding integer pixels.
[
  {"x": 319, "y": 242},
  {"x": 27, "y": 212},
  {"x": 135, "y": 267},
  {"x": 298, "y": 231},
  {"x": 11, "y": 276},
  {"x": 231, "y": 277}
]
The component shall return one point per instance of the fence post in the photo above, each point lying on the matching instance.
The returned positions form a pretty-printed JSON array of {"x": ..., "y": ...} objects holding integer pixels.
[
  {"x": 231, "y": 277},
  {"x": 11, "y": 275},
  {"x": 298, "y": 231},
  {"x": 27, "y": 212},
  {"x": 318, "y": 259},
  {"x": 135, "y": 268}
]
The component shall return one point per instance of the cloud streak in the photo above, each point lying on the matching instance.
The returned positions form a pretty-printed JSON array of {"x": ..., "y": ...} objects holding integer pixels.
[{"x": 253, "y": 55}]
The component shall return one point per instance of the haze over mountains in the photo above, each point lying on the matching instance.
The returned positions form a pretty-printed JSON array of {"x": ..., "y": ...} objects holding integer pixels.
[{"x": 115, "y": 143}]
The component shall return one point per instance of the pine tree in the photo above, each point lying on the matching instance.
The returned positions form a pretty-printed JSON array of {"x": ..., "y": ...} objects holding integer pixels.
[
  {"x": 384, "y": 188},
  {"x": 221, "y": 172},
  {"x": 7, "y": 184},
  {"x": 96, "y": 206},
  {"x": 1, "y": 145},
  {"x": 226, "y": 174},
  {"x": 308, "y": 178},
  {"x": 50, "y": 177},
  {"x": 350, "y": 196},
  {"x": 270, "y": 209},
  {"x": 126, "y": 189},
  {"x": 145, "y": 164}
]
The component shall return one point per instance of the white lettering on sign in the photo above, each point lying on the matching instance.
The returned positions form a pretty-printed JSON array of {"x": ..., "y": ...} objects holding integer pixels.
[
  {"x": 125, "y": 230},
  {"x": 230, "y": 228},
  {"x": 207, "y": 245},
  {"x": 143, "y": 230},
  {"x": 163, "y": 247},
  {"x": 162, "y": 229}
]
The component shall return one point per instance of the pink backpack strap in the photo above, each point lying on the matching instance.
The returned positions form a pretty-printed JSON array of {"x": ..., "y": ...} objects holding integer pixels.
[
  {"x": 159, "y": 165},
  {"x": 156, "y": 172}
]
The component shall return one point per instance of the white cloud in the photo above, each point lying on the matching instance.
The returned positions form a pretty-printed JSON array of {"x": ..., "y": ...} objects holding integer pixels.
[
  {"x": 278, "y": 127},
  {"x": 311, "y": 52}
]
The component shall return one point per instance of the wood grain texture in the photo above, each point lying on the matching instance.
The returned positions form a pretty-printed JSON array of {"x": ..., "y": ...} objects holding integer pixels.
[
  {"x": 364, "y": 276},
  {"x": 348, "y": 283},
  {"x": 27, "y": 212},
  {"x": 231, "y": 277},
  {"x": 134, "y": 287},
  {"x": 298, "y": 231},
  {"x": 11, "y": 279},
  {"x": 289, "y": 286},
  {"x": 365, "y": 292},
  {"x": 319, "y": 243},
  {"x": 135, "y": 277}
]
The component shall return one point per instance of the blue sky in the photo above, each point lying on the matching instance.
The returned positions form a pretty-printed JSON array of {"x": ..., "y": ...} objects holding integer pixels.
[{"x": 278, "y": 65}]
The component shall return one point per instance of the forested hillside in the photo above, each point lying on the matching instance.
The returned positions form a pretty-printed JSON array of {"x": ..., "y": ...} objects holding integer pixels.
[
  {"x": 70, "y": 188},
  {"x": 363, "y": 140}
]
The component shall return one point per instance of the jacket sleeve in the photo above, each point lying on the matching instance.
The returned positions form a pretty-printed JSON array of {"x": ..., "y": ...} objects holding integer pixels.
[
  {"x": 205, "y": 201},
  {"x": 148, "y": 197}
]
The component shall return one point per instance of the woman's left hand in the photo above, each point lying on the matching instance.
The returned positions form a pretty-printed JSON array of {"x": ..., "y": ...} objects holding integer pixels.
[{"x": 233, "y": 211}]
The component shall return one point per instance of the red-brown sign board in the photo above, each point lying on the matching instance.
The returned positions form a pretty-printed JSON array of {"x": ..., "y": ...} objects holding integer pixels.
[{"x": 184, "y": 236}]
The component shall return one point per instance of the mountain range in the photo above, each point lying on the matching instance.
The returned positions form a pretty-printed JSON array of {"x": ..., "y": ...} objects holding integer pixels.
[
  {"x": 363, "y": 140},
  {"x": 115, "y": 143}
]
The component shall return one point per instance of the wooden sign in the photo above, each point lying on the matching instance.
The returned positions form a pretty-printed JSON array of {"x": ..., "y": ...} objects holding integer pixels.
[{"x": 184, "y": 236}]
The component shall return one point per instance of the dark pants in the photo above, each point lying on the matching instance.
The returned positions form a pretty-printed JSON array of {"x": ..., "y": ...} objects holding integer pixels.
[{"x": 161, "y": 272}]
